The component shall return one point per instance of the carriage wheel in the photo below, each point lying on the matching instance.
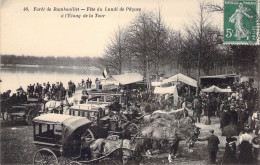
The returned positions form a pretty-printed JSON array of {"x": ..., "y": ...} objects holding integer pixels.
[
  {"x": 133, "y": 128},
  {"x": 45, "y": 157},
  {"x": 29, "y": 117},
  {"x": 64, "y": 160},
  {"x": 88, "y": 136}
]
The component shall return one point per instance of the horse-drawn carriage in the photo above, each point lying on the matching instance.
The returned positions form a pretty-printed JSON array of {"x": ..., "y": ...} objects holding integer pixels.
[
  {"x": 105, "y": 122},
  {"x": 12, "y": 111},
  {"x": 64, "y": 138}
]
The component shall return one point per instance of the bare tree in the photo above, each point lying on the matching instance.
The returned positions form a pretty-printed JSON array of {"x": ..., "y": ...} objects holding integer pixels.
[{"x": 115, "y": 52}]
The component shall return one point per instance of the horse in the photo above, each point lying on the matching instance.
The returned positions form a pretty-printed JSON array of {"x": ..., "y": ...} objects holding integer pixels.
[
  {"x": 172, "y": 115},
  {"x": 165, "y": 135},
  {"x": 102, "y": 147},
  {"x": 161, "y": 122}
]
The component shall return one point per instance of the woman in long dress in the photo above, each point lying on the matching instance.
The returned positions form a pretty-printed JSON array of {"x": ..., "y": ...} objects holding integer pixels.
[{"x": 230, "y": 151}]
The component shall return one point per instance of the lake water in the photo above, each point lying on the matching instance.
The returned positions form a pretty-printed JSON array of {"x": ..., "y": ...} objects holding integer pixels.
[{"x": 14, "y": 77}]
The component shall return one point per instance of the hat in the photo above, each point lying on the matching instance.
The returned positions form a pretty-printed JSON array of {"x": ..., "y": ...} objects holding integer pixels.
[
  {"x": 231, "y": 139},
  {"x": 255, "y": 142},
  {"x": 211, "y": 130}
]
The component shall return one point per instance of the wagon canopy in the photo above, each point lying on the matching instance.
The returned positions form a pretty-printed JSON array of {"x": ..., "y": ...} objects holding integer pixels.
[
  {"x": 182, "y": 78},
  {"x": 69, "y": 123}
]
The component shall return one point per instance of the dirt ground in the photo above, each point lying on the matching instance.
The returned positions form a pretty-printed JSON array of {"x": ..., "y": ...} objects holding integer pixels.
[{"x": 17, "y": 146}]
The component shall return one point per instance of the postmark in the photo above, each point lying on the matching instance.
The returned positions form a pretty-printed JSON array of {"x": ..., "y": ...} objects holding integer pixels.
[{"x": 241, "y": 22}]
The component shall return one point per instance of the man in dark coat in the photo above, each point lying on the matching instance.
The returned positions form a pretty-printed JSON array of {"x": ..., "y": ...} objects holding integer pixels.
[
  {"x": 213, "y": 143},
  {"x": 225, "y": 119}
]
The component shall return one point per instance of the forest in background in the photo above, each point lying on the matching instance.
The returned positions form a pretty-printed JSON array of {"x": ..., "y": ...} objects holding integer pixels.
[{"x": 53, "y": 61}]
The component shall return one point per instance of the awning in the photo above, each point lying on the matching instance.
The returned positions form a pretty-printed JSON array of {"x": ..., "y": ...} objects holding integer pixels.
[
  {"x": 128, "y": 78},
  {"x": 168, "y": 90},
  {"x": 182, "y": 78},
  {"x": 109, "y": 81},
  {"x": 165, "y": 90},
  {"x": 244, "y": 79},
  {"x": 156, "y": 83},
  {"x": 220, "y": 76},
  {"x": 216, "y": 89}
]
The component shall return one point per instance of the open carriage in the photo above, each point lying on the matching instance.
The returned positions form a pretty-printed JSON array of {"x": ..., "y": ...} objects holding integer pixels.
[{"x": 61, "y": 139}]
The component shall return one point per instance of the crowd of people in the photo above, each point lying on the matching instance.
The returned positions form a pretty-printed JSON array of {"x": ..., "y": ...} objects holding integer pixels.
[{"x": 239, "y": 108}]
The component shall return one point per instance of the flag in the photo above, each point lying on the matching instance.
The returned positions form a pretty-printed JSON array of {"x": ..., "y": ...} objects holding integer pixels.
[{"x": 105, "y": 72}]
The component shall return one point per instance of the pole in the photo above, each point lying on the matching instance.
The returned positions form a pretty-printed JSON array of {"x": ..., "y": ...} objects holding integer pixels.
[{"x": 198, "y": 75}]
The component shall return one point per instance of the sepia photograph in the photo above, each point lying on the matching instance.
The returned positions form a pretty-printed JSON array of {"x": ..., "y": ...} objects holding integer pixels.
[{"x": 131, "y": 82}]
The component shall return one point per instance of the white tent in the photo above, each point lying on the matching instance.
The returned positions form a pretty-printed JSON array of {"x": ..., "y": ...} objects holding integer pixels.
[
  {"x": 168, "y": 90},
  {"x": 156, "y": 83},
  {"x": 214, "y": 88},
  {"x": 244, "y": 79},
  {"x": 128, "y": 78},
  {"x": 182, "y": 78}
]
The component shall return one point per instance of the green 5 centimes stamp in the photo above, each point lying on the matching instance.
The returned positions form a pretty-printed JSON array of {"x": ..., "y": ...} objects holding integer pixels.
[{"x": 241, "y": 22}]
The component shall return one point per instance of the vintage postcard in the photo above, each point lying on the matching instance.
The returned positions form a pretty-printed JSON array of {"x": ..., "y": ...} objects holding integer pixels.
[{"x": 143, "y": 82}]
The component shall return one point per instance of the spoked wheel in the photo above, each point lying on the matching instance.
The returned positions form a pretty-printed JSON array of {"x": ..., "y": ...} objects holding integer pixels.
[
  {"x": 74, "y": 163},
  {"x": 133, "y": 129},
  {"x": 64, "y": 161},
  {"x": 45, "y": 157},
  {"x": 88, "y": 136},
  {"x": 29, "y": 117}
]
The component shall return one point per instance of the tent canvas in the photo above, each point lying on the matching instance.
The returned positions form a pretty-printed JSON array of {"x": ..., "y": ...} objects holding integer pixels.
[
  {"x": 156, "y": 83},
  {"x": 109, "y": 81},
  {"x": 244, "y": 79},
  {"x": 128, "y": 78},
  {"x": 182, "y": 78},
  {"x": 214, "y": 88},
  {"x": 168, "y": 90}
]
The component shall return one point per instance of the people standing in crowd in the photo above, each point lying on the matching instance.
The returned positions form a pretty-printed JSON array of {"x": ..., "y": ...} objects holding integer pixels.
[
  {"x": 213, "y": 142},
  {"x": 90, "y": 83},
  {"x": 97, "y": 83},
  {"x": 229, "y": 156},
  {"x": 256, "y": 121},
  {"x": 82, "y": 83},
  {"x": 87, "y": 82},
  {"x": 256, "y": 148},
  {"x": 197, "y": 109},
  {"x": 245, "y": 146}
]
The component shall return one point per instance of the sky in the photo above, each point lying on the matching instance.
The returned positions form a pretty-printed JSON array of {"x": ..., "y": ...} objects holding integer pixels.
[{"x": 47, "y": 33}]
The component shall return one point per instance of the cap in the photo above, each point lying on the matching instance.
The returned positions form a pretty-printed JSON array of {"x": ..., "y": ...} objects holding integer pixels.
[{"x": 211, "y": 130}]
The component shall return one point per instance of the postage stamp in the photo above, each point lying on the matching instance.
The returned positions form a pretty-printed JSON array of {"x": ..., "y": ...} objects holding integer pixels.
[{"x": 241, "y": 22}]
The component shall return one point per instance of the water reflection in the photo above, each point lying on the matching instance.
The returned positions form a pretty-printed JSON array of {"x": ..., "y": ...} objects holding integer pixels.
[{"x": 14, "y": 77}]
